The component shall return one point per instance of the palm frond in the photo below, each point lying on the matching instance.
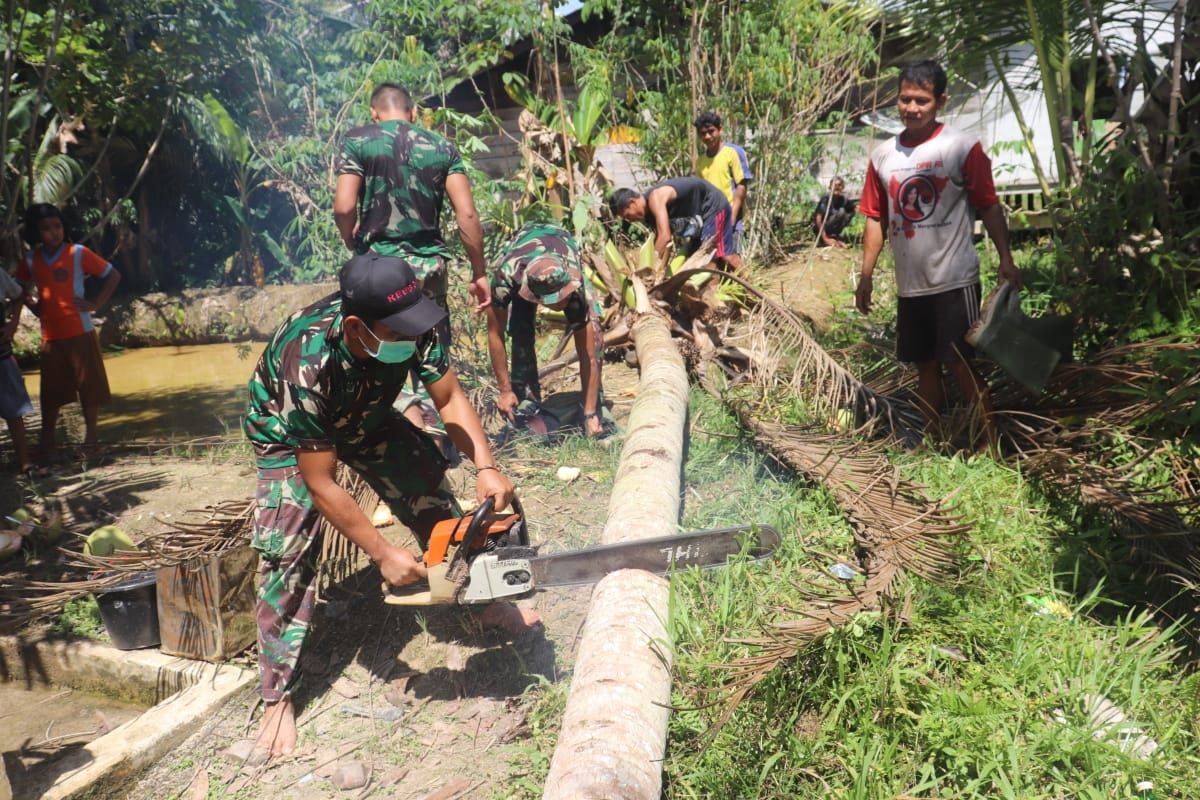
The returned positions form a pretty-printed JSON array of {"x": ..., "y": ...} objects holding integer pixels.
[
  {"x": 897, "y": 528},
  {"x": 54, "y": 176}
]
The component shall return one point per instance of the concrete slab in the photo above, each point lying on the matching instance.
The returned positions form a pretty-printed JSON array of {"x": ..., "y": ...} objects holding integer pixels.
[{"x": 183, "y": 694}]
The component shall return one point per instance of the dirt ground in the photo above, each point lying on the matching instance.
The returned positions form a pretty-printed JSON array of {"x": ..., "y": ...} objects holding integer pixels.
[
  {"x": 429, "y": 703},
  {"x": 813, "y": 280}
]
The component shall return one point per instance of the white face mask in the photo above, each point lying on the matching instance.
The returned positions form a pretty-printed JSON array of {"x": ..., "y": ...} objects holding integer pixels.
[{"x": 390, "y": 352}]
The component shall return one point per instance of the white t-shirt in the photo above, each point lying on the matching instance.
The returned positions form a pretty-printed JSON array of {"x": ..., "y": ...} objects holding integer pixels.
[{"x": 925, "y": 196}]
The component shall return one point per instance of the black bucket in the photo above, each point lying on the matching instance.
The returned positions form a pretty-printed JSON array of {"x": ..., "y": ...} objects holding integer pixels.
[{"x": 130, "y": 611}]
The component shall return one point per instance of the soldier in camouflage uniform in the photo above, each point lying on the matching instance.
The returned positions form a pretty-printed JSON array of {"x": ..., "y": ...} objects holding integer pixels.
[
  {"x": 323, "y": 392},
  {"x": 541, "y": 266},
  {"x": 393, "y": 178}
]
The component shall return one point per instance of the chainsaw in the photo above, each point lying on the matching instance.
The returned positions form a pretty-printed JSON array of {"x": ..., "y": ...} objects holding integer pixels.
[{"x": 486, "y": 556}]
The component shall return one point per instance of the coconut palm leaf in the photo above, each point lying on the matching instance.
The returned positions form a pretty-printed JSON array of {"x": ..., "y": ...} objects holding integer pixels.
[
  {"x": 896, "y": 527},
  {"x": 54, "y": 176}
]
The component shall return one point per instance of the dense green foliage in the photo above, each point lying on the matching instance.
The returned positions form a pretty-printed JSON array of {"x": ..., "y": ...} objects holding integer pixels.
[
  {"x": 773, "y": 69},
  {"x": 192, "y": 141}
]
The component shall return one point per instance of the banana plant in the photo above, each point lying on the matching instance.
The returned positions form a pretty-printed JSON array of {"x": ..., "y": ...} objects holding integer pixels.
[
  {"x": 213, "y": 125},
  {"x": 580, "y": 129}
]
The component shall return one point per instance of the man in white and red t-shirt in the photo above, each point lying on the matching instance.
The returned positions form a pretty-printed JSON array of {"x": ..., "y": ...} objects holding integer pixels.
[{"x": 925, "y": 186}]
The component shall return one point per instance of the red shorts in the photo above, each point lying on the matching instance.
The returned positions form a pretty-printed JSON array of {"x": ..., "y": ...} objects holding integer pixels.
[{"x": 73, "y": 369}]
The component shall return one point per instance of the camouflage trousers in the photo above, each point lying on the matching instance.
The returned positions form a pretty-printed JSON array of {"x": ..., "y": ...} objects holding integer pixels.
[
  {"x": 523, "y": 369},
  {"x": 403, "y": 465}
]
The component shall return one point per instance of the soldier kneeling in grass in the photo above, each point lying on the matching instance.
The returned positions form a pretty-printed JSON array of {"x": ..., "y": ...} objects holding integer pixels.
[
  {"x": 322, "y": 393},
  {"x": 541, "y": 266}
]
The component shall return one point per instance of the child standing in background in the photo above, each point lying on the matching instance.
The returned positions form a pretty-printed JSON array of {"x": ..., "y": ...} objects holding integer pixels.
[{"x": 71, "y": 366}]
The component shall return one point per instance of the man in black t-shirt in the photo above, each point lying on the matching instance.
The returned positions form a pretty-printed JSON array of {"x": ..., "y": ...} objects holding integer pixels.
[
  {"x": 833, "y": 213},
  {"x": 691, "y": 208}
]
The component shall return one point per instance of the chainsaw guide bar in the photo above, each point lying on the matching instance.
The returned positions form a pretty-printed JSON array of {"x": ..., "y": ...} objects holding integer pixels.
[{"x": 485, "y": 557}]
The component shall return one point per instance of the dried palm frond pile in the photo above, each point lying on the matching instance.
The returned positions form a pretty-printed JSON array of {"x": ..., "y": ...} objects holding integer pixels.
[
  {"x": 204, "y": 534},
  {"x": 1077, "y": 442},
  {"x": 897, "y": 529},
  {"x": 1105, "y": 434}
]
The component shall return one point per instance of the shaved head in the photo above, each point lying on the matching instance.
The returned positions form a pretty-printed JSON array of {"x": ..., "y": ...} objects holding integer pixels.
[{"x": 391, "y": 97}]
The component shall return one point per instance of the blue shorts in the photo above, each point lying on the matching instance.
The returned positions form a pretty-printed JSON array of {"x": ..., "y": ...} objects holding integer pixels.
[
  {"x": 14, "y": 400},
  {"x": 721, "y": 226}
]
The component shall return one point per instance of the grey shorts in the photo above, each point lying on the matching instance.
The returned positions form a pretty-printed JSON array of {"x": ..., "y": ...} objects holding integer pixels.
[{"x": 14, "y": 400}]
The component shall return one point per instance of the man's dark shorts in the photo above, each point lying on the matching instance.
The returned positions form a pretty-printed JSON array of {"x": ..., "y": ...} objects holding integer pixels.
[{"x": 931, "y": 327}]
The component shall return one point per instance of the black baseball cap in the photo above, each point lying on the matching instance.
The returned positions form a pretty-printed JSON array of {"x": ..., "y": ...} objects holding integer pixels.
[{"x": 384, "y": 289}]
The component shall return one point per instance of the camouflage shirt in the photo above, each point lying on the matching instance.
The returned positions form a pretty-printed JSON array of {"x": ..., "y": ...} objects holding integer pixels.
[
  {"x": 531, "y": 242},
  {"x": 309, "y": 393},
  {"x": 404, "y": 169}
]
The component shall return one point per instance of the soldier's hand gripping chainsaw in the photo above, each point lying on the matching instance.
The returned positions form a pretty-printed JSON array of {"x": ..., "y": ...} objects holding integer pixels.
[{"x": 486, "y": 556}]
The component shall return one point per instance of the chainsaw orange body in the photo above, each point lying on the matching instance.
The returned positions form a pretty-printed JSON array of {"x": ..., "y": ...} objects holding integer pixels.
[
  {"x": 449, "y": 533},
  {"x": 460, "y": 561}
]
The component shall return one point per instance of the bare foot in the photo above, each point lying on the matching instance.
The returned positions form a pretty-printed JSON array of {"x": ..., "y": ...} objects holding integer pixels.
[
  {"x": 511, "y": 618},
  {"x": 277, "y": 734}
]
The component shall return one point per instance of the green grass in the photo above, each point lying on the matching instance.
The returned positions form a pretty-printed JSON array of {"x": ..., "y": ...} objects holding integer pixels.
[{"x": 975, "y": 691}]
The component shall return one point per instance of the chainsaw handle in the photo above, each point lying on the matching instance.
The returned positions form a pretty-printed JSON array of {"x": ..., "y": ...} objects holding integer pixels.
[
  {"x": 523, "y": 527},
  {"x": 480, "y": 518}
]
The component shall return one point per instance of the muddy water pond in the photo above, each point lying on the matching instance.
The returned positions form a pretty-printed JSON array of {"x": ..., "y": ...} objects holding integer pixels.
[
  {"x": 43, "y": 731},
  {"x": 172, "y": 393}
]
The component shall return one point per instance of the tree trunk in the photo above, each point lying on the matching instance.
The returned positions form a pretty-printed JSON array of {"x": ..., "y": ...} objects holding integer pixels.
[
  {"x": 614, "y": 728},
  {"x": 144, "y": 277}
]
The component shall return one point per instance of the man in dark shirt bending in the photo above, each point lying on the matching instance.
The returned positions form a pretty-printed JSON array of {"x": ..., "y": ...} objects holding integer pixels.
[{"x": 690, "y": 207}]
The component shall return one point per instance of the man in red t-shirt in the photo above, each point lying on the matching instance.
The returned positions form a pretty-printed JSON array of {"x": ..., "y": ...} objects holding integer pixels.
[
  {"x": 71, "y": 365},
  {"x": 925, "y": 186}
]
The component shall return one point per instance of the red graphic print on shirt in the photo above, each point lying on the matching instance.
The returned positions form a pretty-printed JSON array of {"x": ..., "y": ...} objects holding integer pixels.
[{"x": 916, "y": 198}]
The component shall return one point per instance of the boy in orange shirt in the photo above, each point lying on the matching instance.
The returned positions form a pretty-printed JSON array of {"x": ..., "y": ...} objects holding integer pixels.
[{"x": 72, "y": 367}]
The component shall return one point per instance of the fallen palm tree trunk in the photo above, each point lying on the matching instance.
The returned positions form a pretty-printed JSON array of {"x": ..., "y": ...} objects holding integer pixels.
[{"x": 614, "y": 729}]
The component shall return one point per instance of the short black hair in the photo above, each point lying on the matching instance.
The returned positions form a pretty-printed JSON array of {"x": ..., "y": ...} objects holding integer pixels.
[
  {"x": 706, "y": 119},
  {"x": 391, "y": 97},
  {"x": 927, "y": 73},
  {"x": 34, "y": 216},
  {"x": 620, "y": 199}
]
